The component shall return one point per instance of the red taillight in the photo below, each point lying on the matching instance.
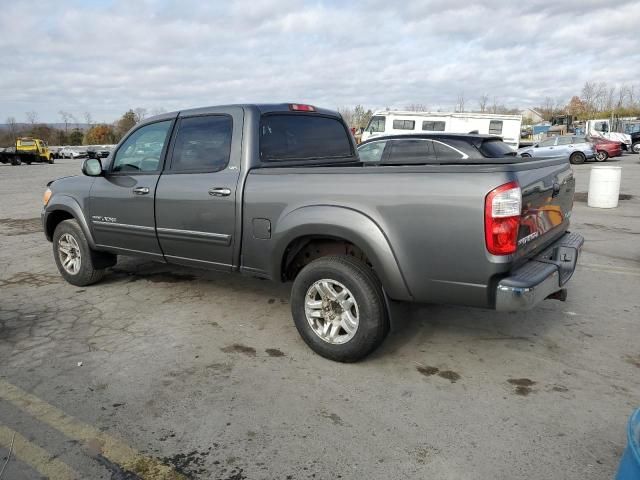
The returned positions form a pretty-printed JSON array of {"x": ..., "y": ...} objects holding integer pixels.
[
  {"x": 297, "y": 107},
  {"x": 502, "y": 208}
]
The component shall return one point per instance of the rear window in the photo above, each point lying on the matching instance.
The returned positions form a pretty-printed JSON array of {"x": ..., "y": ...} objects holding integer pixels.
[
  {"x": 291, "y": 137},
  {"x": 27, "y": 143},
  {"x": 496, "y": 149}
]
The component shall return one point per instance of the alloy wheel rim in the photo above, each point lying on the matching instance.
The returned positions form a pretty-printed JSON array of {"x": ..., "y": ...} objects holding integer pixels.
[
  {"x": 69, "y": 254},
  {"x": 332, "y": 311}
]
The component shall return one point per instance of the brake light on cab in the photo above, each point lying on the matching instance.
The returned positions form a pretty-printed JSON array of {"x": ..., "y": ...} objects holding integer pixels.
[
  {"x": 502, "y": 210},
  {"x": 297, "y": 107}
]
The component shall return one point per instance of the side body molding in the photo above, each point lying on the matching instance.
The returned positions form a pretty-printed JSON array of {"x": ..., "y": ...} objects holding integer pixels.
[
  {"x": 61, "y": 202},
  {"x": 343, "y": 223}
]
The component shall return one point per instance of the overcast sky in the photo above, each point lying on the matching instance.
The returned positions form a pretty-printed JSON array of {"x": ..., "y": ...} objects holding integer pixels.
[{"x": 105, "y": 56}]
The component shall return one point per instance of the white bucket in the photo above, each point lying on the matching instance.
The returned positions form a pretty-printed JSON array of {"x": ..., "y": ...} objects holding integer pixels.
[{"x": 604, "y": 186}]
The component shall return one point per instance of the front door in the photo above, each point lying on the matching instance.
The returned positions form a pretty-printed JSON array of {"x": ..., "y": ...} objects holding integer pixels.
[
  {"x": 122, "y": 201},
  {"x": 196, "y": 195},
  {"x": 546, "y": 148}
]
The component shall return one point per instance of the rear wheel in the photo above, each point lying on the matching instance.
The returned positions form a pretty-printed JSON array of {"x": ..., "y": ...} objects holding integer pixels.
[
  {"x": 601, "y": 156},
  {"x": 339, "y": 309},
  {"x": 16, "y": 161},
  {"x": 577, "y": 158},
  {"x": 73, "y": 255},
  {"x": 635, "y": 148},
  {"x": 51, "y": 159}
]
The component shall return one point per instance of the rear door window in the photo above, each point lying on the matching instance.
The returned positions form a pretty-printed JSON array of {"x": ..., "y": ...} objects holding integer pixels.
[
  {"x": 202, "y": 144},
  {"x": 496, "y": 149},
  {"x": 411, "y": 151},
  {"x": 446, "y": 153},
  {"x": 292, "y": 137},
  {"x": 404, "y": 124}
]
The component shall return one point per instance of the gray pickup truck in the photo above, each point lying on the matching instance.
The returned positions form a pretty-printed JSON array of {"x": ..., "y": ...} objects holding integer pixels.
[{"x": 279, "y": 192}]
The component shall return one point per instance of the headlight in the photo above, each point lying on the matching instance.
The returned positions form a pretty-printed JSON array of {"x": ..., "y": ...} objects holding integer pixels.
[{"x": 46, "y": 196}]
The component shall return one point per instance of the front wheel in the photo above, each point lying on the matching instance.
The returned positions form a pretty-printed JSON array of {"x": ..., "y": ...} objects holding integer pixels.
[
  {"x": 73, "y": 255},
  {"x": 601, "y": 156},
  {"x": 577, "y": 158},
  {"x": 51, "y": 160},
  {"x": 338, "y": 308}
]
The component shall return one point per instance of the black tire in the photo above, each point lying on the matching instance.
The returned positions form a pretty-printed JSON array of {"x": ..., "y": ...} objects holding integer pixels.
[
  {"x": 51, "y": 160},
  {"x": 366, "y": 290},
  {"x": 601, "y": 156},
  {"x": 15, "y": 161},
  {"x": 87, "y": 274},
  {"x": 635, "y": 148},
  {"x": 577, "y": 158},
  {"x": 28, "y": 162}
]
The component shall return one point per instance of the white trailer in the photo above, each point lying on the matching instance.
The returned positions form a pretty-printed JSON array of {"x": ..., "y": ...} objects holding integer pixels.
[{"x": 396, "y": 122}]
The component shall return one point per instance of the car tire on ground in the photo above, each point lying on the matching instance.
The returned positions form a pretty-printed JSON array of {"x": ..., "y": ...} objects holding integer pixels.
[
  {"x": 339, "y": 309},
  {"x": 601, "y": 155},
  {"x": 577, "y": 158},
  {"x": 16, "y": 161},
  {"x": 51, "y": 160},
  {"x": 635, "y": 148},
  {"x": 73, "y": 255}
]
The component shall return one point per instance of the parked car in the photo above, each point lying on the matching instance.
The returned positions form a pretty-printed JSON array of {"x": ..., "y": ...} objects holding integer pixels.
[
  {"x": 606, "y": 148},
  {"x": 576, "y": 149},
  {"x": 98, "y": 151},
  {"x": 72, "y": 152},
  {"x": 280, "y": 192},
  {"x": 434, "y": 148}
]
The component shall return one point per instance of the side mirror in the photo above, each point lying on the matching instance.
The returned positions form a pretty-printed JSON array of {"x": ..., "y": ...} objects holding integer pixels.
[{"x": 92, "y": 167}]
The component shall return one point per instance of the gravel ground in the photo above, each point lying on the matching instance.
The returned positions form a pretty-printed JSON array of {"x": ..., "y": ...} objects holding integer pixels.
[{"x": 181, "y": 373}]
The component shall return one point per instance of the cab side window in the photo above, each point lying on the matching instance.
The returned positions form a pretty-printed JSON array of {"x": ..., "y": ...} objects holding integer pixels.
[{"x": 142, "y": 151}]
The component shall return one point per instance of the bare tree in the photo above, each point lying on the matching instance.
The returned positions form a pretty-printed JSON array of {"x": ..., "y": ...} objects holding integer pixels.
[
  {"x": 416, "y": 107},
  {"x": 589, "y": 96},
  {"x": 347, "y": 115},
  {"x": 88, "y": 118},
  {"x": 13, "y": 128},
  {"x": 32, "y": 117},
  {"x": 460, "y": 102},
  {"x": 73, "y": 119},
  {"x": 140, "y": 114},
  {"x": 65, "y": 119},
  {"x": 482, "y": 102}
]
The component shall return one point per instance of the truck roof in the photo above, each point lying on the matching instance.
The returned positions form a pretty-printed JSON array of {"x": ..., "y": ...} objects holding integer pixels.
[{"x": 261, "y": 108}]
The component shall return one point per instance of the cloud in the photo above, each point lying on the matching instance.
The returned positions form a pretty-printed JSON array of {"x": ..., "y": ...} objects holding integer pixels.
[{"x": 106, "y": 56}]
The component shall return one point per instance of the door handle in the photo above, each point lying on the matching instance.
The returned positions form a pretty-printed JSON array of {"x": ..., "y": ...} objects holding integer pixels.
[
  {"x": 141, "y": 190},
  {"x": 220, "y": 192}
]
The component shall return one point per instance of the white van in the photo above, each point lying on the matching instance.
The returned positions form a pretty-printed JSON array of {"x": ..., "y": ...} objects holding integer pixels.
[{"x": 395, "y": 122}]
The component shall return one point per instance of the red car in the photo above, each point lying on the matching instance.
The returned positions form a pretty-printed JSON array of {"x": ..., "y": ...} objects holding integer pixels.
[{"x": 606, "y": 148}]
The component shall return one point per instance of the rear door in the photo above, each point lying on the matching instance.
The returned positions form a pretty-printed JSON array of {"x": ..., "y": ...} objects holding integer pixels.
[
  {"x": 196, "y": 195},
  {"x": 121, "y": 202}
]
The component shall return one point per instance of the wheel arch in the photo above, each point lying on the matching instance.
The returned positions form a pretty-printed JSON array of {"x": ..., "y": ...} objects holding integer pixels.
[
  {"x": 332, "y": 228},
  {"x": 61, "y": 208}
]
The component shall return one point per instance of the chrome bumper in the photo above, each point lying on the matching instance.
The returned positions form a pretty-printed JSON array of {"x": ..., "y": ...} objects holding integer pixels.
[{"x": 541, "y": 276}]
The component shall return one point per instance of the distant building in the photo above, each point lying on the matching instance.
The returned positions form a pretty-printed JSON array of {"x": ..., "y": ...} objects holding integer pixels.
[{"x": 531, "y": 116}]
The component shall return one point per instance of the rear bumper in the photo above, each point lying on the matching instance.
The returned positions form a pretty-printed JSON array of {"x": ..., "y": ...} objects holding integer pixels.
[{"x": 541, "y": 276}]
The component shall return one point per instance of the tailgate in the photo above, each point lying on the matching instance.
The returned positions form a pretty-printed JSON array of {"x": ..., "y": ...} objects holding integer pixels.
[{"x": 547, "y": 201}]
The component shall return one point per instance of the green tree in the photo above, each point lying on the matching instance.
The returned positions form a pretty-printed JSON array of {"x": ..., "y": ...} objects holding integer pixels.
[
  {"x": 75, "y": 137},
  {"x": 126, "y": 123}
]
